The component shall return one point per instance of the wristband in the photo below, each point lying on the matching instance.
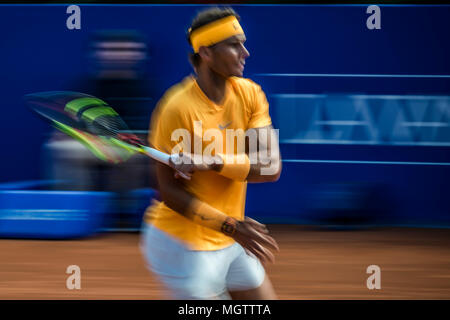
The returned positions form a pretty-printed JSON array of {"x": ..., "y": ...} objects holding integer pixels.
[
  {"x": 208, "y": 216},
  {"x": 235, "y": 167}
]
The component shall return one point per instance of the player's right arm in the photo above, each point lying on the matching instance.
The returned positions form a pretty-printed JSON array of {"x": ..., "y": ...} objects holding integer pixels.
[{"x": 250, "y": 234}]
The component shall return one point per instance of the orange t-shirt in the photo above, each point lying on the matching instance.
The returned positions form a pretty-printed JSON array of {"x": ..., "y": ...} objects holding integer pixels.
[{"x": 244, "y": 106}]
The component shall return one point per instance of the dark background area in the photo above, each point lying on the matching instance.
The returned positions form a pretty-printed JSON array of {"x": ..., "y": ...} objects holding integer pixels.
[{"x": 38, "y": 53}]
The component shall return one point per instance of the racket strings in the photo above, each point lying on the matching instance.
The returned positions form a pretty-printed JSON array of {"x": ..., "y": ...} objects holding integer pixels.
[{"x": 109, "y": 125}]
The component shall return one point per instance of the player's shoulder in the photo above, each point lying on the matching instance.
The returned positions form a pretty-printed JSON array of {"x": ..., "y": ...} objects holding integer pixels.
[
  {"x": 247, "y": 89},
  {"x": 244, "y": 83},
  {"x": 175, "y": 97}
]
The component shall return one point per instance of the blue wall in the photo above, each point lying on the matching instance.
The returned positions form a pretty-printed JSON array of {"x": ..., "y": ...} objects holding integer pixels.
[{"x": 38, "y": 53}]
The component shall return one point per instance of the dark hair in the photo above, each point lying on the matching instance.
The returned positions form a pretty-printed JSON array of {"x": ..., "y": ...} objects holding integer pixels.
[{"x": 203, "y": 18}]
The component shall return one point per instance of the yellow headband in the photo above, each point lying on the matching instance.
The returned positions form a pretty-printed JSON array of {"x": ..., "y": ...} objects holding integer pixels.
[{"x": 215, "y": 32}]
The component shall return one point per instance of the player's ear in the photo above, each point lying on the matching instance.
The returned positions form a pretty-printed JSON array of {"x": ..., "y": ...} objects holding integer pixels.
[{"x": 205, "y": 53}]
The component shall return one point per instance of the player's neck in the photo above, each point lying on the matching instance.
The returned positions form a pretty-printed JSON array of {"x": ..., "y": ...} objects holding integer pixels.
[{"x": 212, "y": 85}]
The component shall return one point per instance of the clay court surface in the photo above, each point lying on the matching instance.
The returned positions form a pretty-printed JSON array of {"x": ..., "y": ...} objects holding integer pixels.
[{"x": 312, "y": 264}]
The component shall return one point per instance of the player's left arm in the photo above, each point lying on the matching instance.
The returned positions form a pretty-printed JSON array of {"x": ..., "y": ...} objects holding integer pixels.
[
  {"x": 263, "y": 158},
  {"x": 262, "y": 161},
  {"x": 265, "y": 161}
]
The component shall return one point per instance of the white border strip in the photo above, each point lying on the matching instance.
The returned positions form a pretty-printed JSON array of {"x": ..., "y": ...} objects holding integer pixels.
[
  {"x": 358, "y": 96},
  {"x": 363, "y": 143},
  {"x": 370, "y": 162},
  {"x": 353, "y": 75}
]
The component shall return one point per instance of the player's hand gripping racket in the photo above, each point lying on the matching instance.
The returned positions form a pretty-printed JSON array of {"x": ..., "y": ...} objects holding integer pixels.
[{"x": 93, "y": 122}]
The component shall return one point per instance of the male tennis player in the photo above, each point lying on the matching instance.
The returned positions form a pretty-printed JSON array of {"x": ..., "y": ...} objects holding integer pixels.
[{"x": 197, "y": 240}]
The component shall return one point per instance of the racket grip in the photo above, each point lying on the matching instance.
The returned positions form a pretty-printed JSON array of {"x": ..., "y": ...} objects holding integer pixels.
[
  {"x": 162, "y": 157},
  {"x": 157, "y": 155}
]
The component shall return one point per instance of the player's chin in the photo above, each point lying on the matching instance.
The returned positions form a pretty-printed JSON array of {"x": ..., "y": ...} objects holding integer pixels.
[
  {"x": 238, "y": 72},
  {"x": 235, "y": 72}
]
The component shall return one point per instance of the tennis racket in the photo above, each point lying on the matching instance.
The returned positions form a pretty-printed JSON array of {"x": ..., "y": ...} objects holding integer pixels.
[{"x": 94, "y": 123}]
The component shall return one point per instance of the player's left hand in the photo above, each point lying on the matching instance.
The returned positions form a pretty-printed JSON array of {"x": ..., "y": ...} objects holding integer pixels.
[{"x": 188, "y": 163}]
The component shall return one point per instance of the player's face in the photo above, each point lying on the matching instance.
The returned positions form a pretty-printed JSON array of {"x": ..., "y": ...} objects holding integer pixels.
[{"x": 228, "y": 58}]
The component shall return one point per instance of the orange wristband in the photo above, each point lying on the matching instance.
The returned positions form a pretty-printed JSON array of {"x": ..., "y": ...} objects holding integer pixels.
[{"x": 235, "y": 167}]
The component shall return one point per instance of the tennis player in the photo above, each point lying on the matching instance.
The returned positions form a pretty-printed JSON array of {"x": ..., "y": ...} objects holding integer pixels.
[{"x": 196, "y": 240}]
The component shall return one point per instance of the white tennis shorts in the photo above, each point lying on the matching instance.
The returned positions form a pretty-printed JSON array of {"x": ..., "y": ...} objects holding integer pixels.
[{"x": 190, "y": 274}]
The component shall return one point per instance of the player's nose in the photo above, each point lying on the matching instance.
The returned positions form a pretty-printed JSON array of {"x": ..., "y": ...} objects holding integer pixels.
[{"x": 245, "y": 52}]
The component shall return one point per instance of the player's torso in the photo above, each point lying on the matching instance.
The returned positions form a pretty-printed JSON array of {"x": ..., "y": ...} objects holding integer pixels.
[
  {"x": 206, "y": 124},
  {"x": 208, "y": 120}
]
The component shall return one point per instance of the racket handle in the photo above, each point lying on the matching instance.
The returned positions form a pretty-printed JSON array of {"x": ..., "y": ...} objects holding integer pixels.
[
  {"x": 162, "y": 157},
  {"x": 157, "y": 155}
]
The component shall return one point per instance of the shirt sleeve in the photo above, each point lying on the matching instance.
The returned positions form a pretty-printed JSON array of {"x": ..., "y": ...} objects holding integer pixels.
[
  {"x": 168, "y": 129},
  {"x": 260, "y": 108}
]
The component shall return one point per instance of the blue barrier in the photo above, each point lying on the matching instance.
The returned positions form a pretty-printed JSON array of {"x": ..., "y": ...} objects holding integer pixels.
[
  {"x": 131, "y": 212},
  {"x": 51, "y": 214},
  {"x": 27, "y": 210}
]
